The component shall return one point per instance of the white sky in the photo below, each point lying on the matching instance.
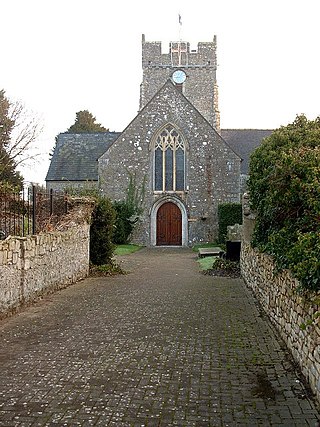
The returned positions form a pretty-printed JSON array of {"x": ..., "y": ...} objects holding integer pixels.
[{"x": 59, "y": 57}]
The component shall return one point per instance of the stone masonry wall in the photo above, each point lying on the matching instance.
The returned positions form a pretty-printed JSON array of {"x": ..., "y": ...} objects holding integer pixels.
[
  {"x": 35, "y": 265},
  {"x": 287, "y": 310}
]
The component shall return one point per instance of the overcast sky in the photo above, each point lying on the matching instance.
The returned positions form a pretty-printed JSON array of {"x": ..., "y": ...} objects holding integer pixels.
[{"x": 59, "y": 57}]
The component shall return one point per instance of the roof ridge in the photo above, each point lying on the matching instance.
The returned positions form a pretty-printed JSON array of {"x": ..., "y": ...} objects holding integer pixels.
[{"x": 255, "y": 129}]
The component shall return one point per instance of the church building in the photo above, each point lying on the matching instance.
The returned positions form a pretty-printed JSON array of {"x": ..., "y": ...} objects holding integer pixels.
[{"x": 172, "y": 154}]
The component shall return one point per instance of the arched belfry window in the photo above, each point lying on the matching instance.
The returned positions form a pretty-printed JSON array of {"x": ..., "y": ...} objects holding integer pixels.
[{"x": 169, "y": 161}]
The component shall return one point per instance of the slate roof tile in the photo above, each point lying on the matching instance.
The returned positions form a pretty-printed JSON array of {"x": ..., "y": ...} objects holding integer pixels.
[
  {"x": 75, "y": 157},
  {"x": 244, "y": 142}
]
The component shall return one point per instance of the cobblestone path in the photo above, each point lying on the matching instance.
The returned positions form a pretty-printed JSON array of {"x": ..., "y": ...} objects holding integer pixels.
[{"x": 161, "y": 346}]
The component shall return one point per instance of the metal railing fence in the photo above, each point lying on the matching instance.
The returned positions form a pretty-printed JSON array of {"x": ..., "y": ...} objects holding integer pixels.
[{"x": 30, "y": 210}]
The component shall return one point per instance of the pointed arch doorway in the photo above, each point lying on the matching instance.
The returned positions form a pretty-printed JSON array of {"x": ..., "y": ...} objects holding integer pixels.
[
  {"x": 181, "y": 212},
  {"x": 169, "y": 225}
]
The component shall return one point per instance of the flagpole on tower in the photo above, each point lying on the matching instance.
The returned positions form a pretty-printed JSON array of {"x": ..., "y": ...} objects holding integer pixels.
[
  {"x": 179, "y": 48},
  {"x": 179, "y": 42}
]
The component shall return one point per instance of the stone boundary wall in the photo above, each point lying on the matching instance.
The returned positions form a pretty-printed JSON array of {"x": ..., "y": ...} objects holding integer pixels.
[
  {"x": 276, "y": 292},
  {"x": 35, "y": 265}
]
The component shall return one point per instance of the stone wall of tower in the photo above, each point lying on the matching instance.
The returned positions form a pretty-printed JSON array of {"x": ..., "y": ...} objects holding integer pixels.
[{"x": 200, "y": 66}]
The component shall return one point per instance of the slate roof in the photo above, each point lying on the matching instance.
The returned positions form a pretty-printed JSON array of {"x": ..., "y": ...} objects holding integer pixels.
[
  {"x": 244, "y": 142},
  {"x": 75, "y": 157}
]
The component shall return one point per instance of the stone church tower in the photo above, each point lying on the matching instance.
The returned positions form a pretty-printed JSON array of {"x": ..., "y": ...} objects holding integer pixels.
[
  {"x": 195, "y": 74},
  {"x": 172, "y": 151}
]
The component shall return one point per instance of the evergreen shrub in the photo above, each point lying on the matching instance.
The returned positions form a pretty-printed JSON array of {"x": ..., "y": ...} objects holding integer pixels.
[
  {"x": 228, "y": 214},
  {"x": 101, "y": 232},
  {"x": 284, "y": 187}
]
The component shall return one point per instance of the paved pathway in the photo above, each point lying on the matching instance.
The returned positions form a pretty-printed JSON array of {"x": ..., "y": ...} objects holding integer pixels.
[{"x": 161, "y": 346}]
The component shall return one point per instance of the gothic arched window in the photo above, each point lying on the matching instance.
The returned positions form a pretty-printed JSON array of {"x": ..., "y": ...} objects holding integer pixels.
[{"x": 169, "y": 161}]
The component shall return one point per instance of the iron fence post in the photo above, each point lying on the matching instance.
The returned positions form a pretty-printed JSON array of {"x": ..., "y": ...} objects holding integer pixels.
[
  {"x": 29, "y": 196},
  {"x": 23, "y": 216},
  {"x": 66, "y": 202},
  {"x": 51, "y": 201},
  {"x": 34, "y": 207}
]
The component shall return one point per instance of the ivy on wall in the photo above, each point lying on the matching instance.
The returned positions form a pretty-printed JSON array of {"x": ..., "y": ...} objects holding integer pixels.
[{"x": 128, "y": 210}]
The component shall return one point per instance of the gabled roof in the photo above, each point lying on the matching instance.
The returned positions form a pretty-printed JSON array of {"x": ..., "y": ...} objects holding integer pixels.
[
  {"x": 244, "y": 142},
  {"x": 171, "y": 86},
  {"x": 75, "y": 156}
]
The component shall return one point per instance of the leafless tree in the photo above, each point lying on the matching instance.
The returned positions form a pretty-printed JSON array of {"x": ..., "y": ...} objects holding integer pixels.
[{"x": 19, "y": 130}]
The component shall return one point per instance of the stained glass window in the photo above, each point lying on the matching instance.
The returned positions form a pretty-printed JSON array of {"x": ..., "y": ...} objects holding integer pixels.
[
  {"x": 180, "y": 169},
  {"x": 158, "y": 167},
  {"x": 169, "y": 161}
]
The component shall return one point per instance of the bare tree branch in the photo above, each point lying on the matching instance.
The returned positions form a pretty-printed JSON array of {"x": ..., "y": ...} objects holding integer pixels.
[{"x": 20, "y": 131}]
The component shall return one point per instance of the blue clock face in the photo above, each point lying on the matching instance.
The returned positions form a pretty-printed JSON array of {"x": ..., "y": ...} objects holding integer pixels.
[{"x": 179, "y": 76}]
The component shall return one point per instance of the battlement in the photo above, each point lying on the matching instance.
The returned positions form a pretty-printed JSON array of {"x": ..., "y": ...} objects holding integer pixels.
[{"x": 179, "y": 54}]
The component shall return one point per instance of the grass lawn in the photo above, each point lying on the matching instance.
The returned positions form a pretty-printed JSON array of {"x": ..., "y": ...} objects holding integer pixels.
[
  {"x": 126, "y": 249},
  {"x": 206, "y": 262}
]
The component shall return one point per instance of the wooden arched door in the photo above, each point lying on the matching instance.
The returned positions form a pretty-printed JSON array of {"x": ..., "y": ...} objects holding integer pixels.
[{"x": 169, "y": 225}]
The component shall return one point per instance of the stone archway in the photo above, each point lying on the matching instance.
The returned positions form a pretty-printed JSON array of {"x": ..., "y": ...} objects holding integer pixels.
[{"x": 169, "y": 223}]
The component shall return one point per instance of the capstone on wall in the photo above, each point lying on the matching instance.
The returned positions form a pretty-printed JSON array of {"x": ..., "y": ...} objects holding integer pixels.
[
  {"x": 287, "y": 309},
  {"x": 65, "y": 185},
  {"x": 34, "y": 265}
]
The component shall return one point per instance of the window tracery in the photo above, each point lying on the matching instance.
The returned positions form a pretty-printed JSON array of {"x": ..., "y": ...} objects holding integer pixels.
[{"x": 169, "y": 161}]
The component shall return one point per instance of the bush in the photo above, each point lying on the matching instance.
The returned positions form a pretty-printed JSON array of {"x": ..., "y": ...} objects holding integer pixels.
[
  {"x": 101, "y": 232},
  {"x": 228, "y": 214},
  {"x": 284, "y": 187}
]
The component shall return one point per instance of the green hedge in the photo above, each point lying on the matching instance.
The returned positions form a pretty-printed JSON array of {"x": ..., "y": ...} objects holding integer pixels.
[
  {"x": 284, "y": 187},
  {"x": 228, "y": 214}
]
